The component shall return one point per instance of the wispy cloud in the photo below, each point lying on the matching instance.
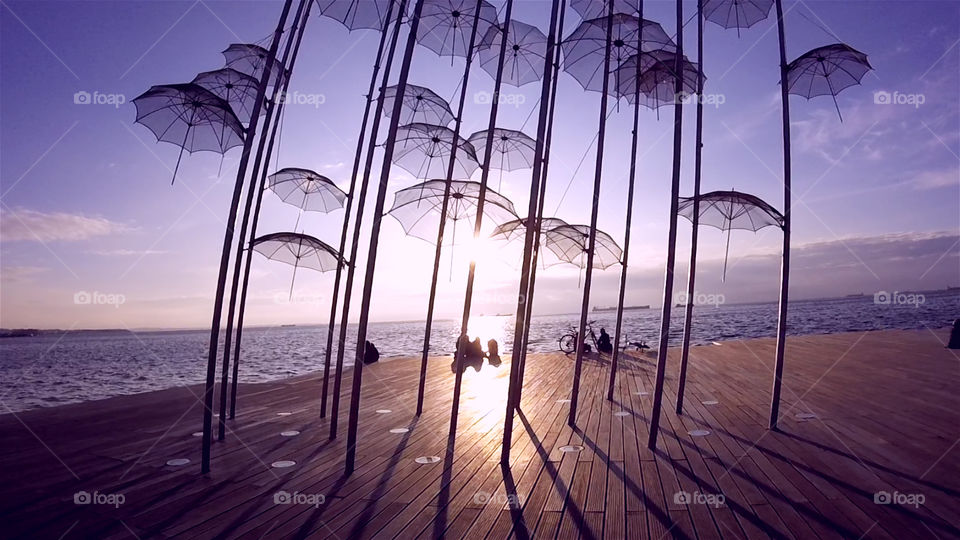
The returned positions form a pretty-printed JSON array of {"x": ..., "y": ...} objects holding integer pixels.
[{"x": 25, "y": 225}]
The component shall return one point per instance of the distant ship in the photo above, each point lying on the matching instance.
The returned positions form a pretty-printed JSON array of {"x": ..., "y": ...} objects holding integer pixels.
[
  {"x": 858, "y": 295},
  {"x": 625, "y": 308}
]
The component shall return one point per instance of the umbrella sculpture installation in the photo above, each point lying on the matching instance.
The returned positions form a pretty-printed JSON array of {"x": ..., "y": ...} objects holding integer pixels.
[
  {"x": 360, "y": 14},
  {"x": 825, "y": 71},
  {"x": 388, "y": 154},
  {"x": 299, "y": 250},
  {"x": 373, "y": 15},
  {"x": 254, "y": 61},
  {"x": 801, "y": 75},
  {"x": 420, "y": 105},
  {"x": 228, "y": 238},
  {"x": 191, "y": 117},
  {"x": 236, "y": 88},
  {"x": 479, "y": 19},
  {"x": 417, "y": 207},
  {"x": 727, "y": 14},
  {"x": 729, "y": 210},
  {"x": 648, "y": 78},
  {"x": 526, "y": 50},
  {"x": 306, "y": 190},
  {"x": 517, "y": 150},
  {"x": 662, "y": 341},
  {"x": 548, "y": 89},
  {"x": 258, "y": 178},
  {"x": 424, "y": 150},
  {"x": 590, "y": 50},
  {"x": 446, "y": 26},
  {"x": 571, "y": 244},
  {"x": 538, "y": 192},
  {"x": 725, "y": 210}
]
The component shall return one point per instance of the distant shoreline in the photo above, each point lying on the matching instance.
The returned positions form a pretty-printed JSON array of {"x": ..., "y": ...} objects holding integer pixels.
[{"x": 35, "y": 332}]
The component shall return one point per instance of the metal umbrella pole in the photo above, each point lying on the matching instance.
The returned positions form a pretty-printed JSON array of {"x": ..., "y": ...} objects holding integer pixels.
[
  {"x": 375, "y": 239},
  {"x": 519, "y": 326},
  {"x": 228, "y": 239},
  {"x": 671, "y": 239}
]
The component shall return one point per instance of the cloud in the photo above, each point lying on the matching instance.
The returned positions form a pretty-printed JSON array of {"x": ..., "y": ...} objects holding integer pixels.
[
  {"x": 24, "y": 225},
  {"x": 20, "y": 274}
]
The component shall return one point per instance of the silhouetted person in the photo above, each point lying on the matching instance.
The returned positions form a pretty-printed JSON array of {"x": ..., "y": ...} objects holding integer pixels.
[
  {"x": 472, "y": 353},
  {"x": 475, "y": 350},
  {"x": 493, "y": 353},
  {"x": 370, "y": 353},
  {"x": 603, "y": 342},
  {"x": 955, "y": 336}
]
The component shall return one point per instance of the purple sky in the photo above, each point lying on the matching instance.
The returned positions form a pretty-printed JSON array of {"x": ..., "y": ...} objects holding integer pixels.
[{"x": 87, "y": 204}]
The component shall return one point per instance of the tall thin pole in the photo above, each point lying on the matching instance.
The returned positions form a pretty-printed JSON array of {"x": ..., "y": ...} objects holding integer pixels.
[
  {"x": 461, "y": 351},
  {"x": 532, "y": 228},
  {"x": 538, "y": 229},
  {"x": 626, "y": 233},
  {"x": 346, "y": 215},
  {"x": 361, "y": 203},
  {"x": 375, "y": 238},
  {"x": 443, "y": 209},
  {"x": 785, "y": 263},
  {"x": 692, "y": 271},
  {"x": 228, "y": 240},
  {"x": 274, "y": 110},
  {"x": 671, "y": 237},
  {"x": 592, "y": 241}
]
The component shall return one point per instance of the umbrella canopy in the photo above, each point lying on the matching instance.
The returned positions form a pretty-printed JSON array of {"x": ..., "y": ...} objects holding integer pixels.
[
  {"x": 591, "y": 9},
  {"x": 252, "y": 60},
  {"x": 417, "y": 207},
  {"x": 446, "y": 25},
  {"x": 306, "y": 190},
  {"x": 359, "y": 14},
  {"x": 424, "y": 151},
  {"x": 516, "y": 228},
  {"x": 728, "y": 210},
  {"x": 516, "y": 149},
  {"x": 526, "y": 51},
  {"x": 236, "y": 88},
  {"x": 299, "y": 250},
  {"x": 657, "y": 80},
  {"x": 570, "y": 244},
  {"x": 420, "y": 104},
  {"x": 826, "y": 71},
  {"x": 736, "y": 13},
  {"x": 584, "y": 49},
  {"x": 191, "y": 117}
]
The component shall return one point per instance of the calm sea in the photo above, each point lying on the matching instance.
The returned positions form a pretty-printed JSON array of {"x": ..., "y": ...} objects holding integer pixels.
[{"x": 54, "y": 369}]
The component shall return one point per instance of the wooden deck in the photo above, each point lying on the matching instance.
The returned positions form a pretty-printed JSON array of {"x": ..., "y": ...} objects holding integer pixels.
[{"x": 887, "y": 420}]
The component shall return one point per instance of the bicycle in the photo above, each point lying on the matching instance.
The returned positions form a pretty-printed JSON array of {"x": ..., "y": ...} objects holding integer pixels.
[{"x": 568, "y": 342}]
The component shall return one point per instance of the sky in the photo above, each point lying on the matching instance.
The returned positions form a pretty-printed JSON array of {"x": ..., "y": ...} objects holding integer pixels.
[{"x": 92, "y": 234}]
